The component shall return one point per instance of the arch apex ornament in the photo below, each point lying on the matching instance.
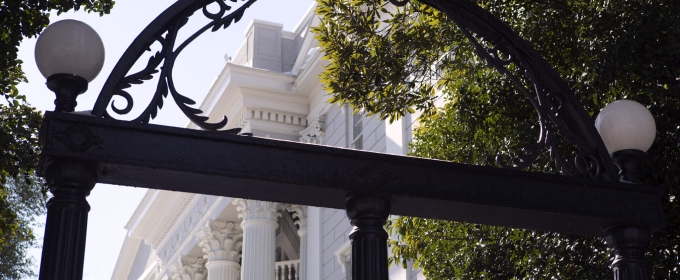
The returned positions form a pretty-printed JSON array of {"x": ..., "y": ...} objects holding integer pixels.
[{"x": 164, "y": 31}]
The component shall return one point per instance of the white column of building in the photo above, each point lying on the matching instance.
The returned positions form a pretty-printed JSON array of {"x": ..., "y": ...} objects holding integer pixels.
[
  {"x": 189, "y": 268},
  {"x": 300, "y": 212},
  {"x": 221, "y": 242},
  {"x": 259, "y": 238}
]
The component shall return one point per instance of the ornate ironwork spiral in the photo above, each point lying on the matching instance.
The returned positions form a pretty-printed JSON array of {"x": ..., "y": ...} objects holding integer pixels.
[
  {"x": 558, "y": 109},
  {"x": 164, "y": 30}
]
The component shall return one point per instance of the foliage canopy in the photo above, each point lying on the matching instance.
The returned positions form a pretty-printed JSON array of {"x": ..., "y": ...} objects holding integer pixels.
[{"x": 390, "y": 61}]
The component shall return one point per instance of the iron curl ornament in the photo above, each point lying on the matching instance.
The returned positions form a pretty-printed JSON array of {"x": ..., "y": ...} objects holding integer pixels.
[
  {"x": 164, "y": 30},
  {"x": 559, "y": 111}
]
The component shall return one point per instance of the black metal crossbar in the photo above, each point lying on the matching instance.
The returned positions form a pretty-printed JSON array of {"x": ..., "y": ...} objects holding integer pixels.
[{"x": 215, "y": 163}]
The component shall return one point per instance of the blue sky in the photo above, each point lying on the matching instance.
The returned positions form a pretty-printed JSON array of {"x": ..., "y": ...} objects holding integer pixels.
[{"x": 195, "y": 70}]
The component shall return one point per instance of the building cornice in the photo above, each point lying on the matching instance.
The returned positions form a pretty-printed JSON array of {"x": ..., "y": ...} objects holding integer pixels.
[
  {"x": 234, "y": 76},
  {"x": 309, "y": 76},
  {"x": 303, "y": 23},
  {"x": 187, "y": 200},
  {"x": 126, "y": 258},
  {"x": 307, "y": 44}
]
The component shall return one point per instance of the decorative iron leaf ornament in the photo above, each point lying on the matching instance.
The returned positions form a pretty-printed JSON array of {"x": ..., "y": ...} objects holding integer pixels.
[
  {"x": 559, "y": 111},
  {"x": 163, "y": 30}
]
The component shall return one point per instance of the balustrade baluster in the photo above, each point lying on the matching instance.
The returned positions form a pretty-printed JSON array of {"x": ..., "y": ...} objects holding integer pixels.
[
  {"x": 297, "y": 271},
  {"x": 277, "y": 272},
  {"x": 290, "y": 272}
]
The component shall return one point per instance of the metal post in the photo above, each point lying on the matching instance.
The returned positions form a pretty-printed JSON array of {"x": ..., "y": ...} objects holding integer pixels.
[
  {"x": 629, "y": 244},
  {"x": 368, "y": 213},
  {"x": 64, "y": 243}
]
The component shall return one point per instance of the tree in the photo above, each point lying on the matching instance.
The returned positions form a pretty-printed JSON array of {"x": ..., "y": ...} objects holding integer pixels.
[
  {"x": 390, "y": 61},
  {"x": 22, "y": 194}
]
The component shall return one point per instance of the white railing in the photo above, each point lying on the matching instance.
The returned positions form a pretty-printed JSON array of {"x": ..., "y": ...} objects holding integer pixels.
[{"x": 287, "y": 270}]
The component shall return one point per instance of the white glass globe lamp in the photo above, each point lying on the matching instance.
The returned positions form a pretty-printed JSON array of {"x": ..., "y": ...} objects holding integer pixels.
[
  {"x": 627, "y": 129},
  {"x": 70, "y": 54},
  {"x": 624, "y": 125}
]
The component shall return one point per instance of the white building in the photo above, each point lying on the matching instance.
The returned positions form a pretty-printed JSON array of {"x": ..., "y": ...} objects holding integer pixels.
[{"x": 271, "y": 89}]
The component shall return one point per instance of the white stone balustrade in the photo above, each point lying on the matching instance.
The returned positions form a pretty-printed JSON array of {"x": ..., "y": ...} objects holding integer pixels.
[{"x": 287, "y": 270}]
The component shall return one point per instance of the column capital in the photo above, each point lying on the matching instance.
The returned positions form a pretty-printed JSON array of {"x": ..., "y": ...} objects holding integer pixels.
[
  {"x": 259, "y": 237},
  {"x": 368, "y": 213},
  {"x": 300, "y": 212},
  {"x": 257, "y": 210},
  {"x": 221, "y": 241},
  {"x": 189, "y": 268}
]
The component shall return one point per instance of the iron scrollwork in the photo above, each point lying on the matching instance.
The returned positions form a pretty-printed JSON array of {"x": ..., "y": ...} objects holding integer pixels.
[
  {"x": 163, "y": 30},
  {"x": 559, "y": 111}
]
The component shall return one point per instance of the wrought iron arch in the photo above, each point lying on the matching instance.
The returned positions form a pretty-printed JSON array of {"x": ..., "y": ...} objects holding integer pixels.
[{"x": 558, "y": 109}]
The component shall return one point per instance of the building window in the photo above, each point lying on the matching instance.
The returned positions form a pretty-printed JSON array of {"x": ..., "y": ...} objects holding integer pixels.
[{"x": 357, "y": 131}]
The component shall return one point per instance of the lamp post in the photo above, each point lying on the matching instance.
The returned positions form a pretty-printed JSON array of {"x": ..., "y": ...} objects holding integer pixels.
[
  {"x": 627, "y": 129},
  {"x": 69, "y": 54},
  {"x": 79, "y": 151}
]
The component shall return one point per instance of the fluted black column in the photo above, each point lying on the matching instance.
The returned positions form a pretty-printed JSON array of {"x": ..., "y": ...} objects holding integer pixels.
[
  {"x": 629, "y": 244},
  {"x": 368, "y": 213},
  {"x": 64, "y": 244}
]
